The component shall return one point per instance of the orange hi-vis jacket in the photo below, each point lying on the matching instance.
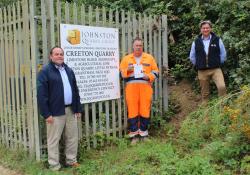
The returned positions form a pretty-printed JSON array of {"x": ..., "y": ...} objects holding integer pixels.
[{"x": 138, "y": 90}]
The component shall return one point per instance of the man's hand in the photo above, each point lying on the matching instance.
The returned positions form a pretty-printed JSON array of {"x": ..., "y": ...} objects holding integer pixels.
[
  {"x": 78, "y": 115},
  {"x": 145, "y": 77},
  {"x": 130, "y": 67},
  {"x": 50, "y": 119}
]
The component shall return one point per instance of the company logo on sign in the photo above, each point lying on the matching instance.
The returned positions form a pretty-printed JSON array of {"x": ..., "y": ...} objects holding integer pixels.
[{"x": 73, "y": 37}]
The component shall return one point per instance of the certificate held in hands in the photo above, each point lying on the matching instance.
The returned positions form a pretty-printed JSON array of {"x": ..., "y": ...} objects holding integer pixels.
[{"x": 138, "y": 71}]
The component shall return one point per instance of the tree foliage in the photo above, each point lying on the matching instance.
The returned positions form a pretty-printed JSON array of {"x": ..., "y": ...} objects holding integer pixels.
[
  {"x": 4, "y": 3},
  {"x": 230, "y": 19}
]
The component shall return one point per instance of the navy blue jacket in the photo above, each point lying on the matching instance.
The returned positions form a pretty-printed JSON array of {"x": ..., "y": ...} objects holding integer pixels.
[{"x": 50, "y": 92}]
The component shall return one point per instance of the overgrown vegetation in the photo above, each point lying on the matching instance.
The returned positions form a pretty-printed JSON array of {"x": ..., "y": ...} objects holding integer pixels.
[
  {"x": 4, "y": 3},
  {"x": 212, "y": 140},
  {"x": 230, "y": 18},
  {"x": 221, "y": 133}
]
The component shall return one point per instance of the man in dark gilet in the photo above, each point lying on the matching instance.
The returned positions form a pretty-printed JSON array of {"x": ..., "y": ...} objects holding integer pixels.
[{"x": 208, "y": 54}]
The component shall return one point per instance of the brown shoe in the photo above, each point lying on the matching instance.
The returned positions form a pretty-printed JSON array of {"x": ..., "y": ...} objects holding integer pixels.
[{"x": 73, "y": 165}]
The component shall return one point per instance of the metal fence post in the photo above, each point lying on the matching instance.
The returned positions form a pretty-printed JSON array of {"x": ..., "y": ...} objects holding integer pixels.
[{"x": 33, "y": 33}]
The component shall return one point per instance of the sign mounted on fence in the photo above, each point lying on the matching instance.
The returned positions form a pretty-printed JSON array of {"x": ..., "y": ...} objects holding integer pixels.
[{"x": 93, "y": 54}]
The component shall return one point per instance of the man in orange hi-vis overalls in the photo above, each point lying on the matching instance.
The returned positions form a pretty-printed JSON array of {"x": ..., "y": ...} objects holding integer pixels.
[{"x": 139, "y": 71}]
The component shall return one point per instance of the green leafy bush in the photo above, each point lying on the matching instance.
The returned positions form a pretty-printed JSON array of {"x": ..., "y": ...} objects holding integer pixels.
[
  {"x": 194, "y": 165},
  {"x": 220, "y": 132}
]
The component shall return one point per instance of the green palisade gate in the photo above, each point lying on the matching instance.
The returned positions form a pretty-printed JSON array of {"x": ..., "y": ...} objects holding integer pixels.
[{"x": 27, "y": 32}]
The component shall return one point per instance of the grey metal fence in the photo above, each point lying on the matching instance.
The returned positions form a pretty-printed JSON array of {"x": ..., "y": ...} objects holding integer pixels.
[{"x": 27, "y": 32}]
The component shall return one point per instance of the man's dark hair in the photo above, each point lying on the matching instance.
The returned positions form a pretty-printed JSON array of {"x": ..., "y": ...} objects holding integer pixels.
[
  {"x": 205, "y": 22},
  {"x": 52, "y": 49},
  {"x": 137, "y": 39}
]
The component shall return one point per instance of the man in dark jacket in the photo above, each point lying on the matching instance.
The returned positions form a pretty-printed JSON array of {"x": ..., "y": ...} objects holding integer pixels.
[
  {"x": 59, "y": 103},
  {"x": 208, "y": 54}
]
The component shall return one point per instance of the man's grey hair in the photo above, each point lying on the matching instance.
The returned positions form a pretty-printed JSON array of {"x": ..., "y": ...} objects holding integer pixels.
[
  {"x": 205, "y": 22},
  {"x": 137, "y": 39}
]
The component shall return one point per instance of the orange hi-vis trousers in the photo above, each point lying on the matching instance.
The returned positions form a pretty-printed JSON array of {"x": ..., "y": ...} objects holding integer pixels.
[{"x": 138, "y": 97}]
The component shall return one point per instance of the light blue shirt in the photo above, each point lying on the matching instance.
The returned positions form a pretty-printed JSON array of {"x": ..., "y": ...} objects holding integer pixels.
[
  {"x": 206, "y": 41},
  {"x": 66, "y": 85}
]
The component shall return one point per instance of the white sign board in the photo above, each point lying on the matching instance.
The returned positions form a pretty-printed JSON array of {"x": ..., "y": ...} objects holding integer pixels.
[{"x": 93, "y": 54}]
